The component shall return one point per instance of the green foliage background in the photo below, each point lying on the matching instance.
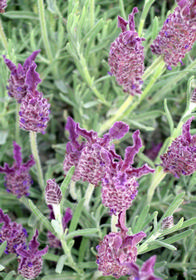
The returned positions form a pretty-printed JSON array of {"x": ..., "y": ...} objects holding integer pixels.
[{"x": 74, "y": 37}]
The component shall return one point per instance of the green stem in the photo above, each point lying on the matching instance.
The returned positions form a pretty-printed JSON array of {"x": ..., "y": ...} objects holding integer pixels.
[
  {"x": 122, "y": 9},
  {"x": 17, "y": 128},
  {"x": 90, "y": 81},
  {"x": 114, "y": 221},
  {"x": 69, "y": 256},
  {"x": 88, "y": 195},
  {"x": 158, "y": 176},
  {"x": 35, "y": 153},
  {"x": 44, "y": 29},
  {"x": 92, "y": 22},
  {"x": 124, "y": 109},
  {"x": 3, "y": 37},
  {"x": 146, "y": 8}
]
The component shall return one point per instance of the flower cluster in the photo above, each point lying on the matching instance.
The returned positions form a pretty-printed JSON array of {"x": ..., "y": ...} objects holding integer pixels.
[
  {"x": 117, "y": 249},
  {"x": 13, "y": 233},
  {"x": 23, "y": 81},
  {"x": 180, "y": 156},
  {"x": 126, "y": 57},
  {"x": 119, "y": 185},
  {"x": 146, "y": 272},
  {"x": 17, "y": 82},
  {"x": 178, "y": 34},
  {"x": 3, "y": 5},
  {"x": 90, "y": 157},
  {"x": 17, "y": 177},
  {"x": 30, "y": 263},
  {"x": 34, "y": 109}
]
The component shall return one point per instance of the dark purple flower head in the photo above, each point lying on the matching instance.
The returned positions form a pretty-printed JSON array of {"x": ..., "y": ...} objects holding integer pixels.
[
  {"x": 17, "y": 82},
  {"x": 3, "y": 5},
  {"x": 53, "y": 193},
  {"x": 34, "y": 109},
  {"x": 119, "y": 185},
  {"x": 13, "y": 233},
  {"x": 180, "y": 156},
  {"x": 53, "y": 241},
  {"x": 117, "y": 249},
  {"x": 91, "y": 157},
  {"x": 153, "y": 151},
  {"x": 30, "y": 264},
  {"x": 146, "y": 272},
  {"x": 17, "y": 177},
  {"x": 126, "y": 57},
  {"x": 193, "y": 96},
  {"x": 178, "y": 33}
]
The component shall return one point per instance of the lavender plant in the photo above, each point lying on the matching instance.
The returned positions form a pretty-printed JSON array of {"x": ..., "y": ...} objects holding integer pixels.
[{"x": 121, "y": 106}]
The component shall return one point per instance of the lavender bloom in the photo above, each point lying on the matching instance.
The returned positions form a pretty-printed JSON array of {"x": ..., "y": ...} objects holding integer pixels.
[
  {"x": 3, "y": 5},
  {"x": 117, "y": 249},
  {"x": 168, "y": 222},
  {"x": 126, "y": 57},
  {"x": 119, "y": 185},
  {"x": 17, "y": 177},
  {"x": 30, "y": 264},
  {"x": 146, "y": 272},
  {"x": 178, "y": 34},
  {"x": 53, "y": 241},
  {"x": 13, "y": 233},
  {"x": 90, "y": 157},
  {"x": 34, "y": 109},
  {"x": 53, "y": 193},
  {"x": 17, "y": 85},
  {"x": 180, "y": 156}
]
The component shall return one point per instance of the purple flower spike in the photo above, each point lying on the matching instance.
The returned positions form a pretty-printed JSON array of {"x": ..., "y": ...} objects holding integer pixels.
[
  {"x": 17, "y": 177},
  {"x": 146, "y": 272},
  {"x": 180, "y": 156},
  {"x": 119, "y": 185},
  {"x": 53, "y": 241},
  {"x": 177, "y": 35},
  {"x": 91, "y": 157},
  {"x": 30, "y": 264},
  {"x": 53, "y": 193},
  {"x": 34, "y": 109},
  {"x": 126, "y": 57},
  {"x": 3, "y": 5},
  {"x": 17, "y": 82},
  {"x": 117, "y": 249},
  {"x": 13, "y": 233}
]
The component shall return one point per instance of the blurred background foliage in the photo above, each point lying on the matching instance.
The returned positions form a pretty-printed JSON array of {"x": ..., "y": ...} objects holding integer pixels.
[{"x": 74, "y": 39}]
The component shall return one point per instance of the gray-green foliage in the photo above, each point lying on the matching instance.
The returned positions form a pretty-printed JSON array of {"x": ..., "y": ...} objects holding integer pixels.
[{"x": 74, "y": 37}]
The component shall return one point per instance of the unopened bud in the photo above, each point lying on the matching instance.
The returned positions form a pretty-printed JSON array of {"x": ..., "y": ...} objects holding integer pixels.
[
  {"x": 53, "y": 193},
  {"x": 168, "y": 222}
]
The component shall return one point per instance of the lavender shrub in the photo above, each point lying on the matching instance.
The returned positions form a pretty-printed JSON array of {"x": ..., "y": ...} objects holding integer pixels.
[{"x": 97, "y": 215}]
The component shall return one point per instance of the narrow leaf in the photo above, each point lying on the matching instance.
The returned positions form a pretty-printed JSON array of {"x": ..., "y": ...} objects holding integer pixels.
[
  {"x": 40, "y": 216},
  {"x": 60, "y": 264},
  {"x": 81, "y": 232},
  {"x": 140, "y": 221},
  {"x": 76, "y": 216},
  {"x": 3, "y": 247},
  {"x": 169, "y": 117}
]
